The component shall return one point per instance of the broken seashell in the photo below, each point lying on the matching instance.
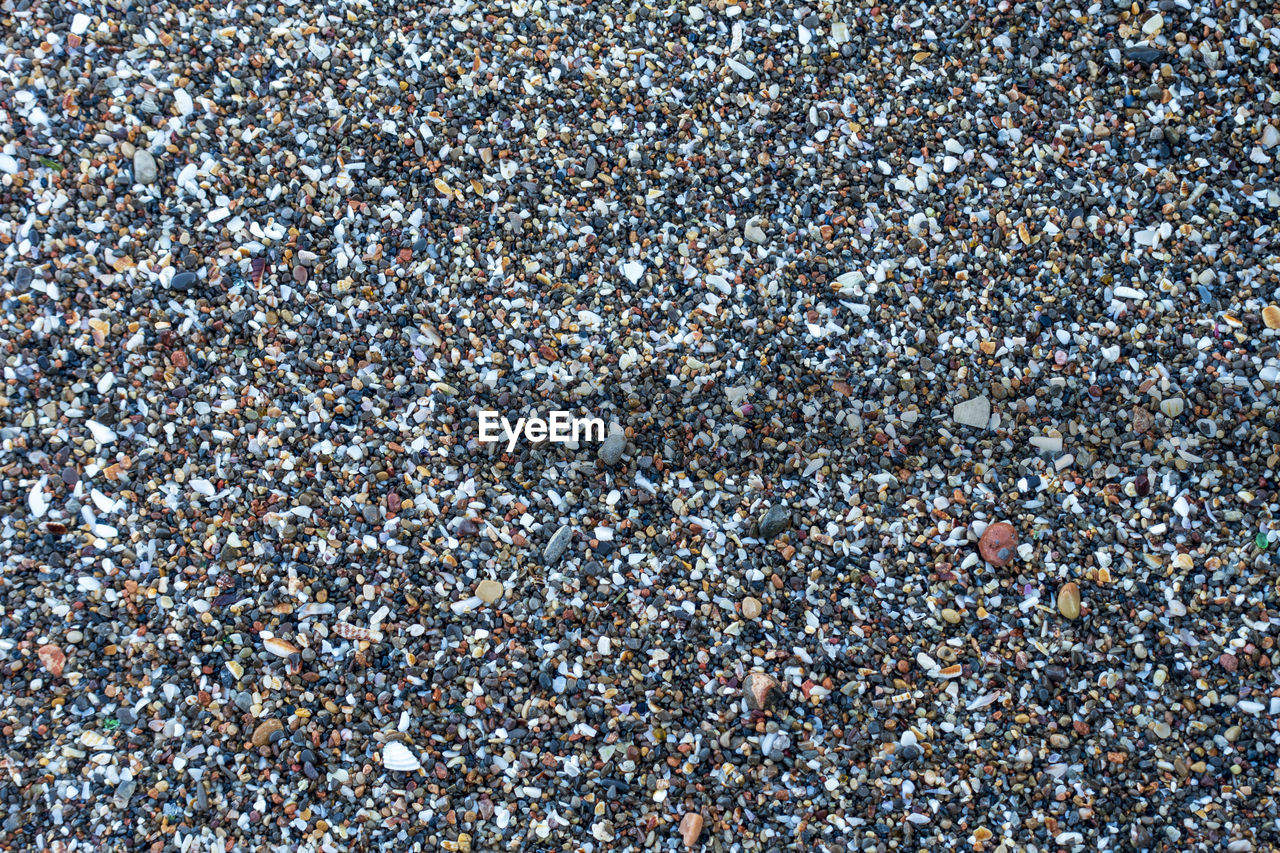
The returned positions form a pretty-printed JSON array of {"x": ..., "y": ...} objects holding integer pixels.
[
  {"x": 354, "y": 632},
  {"x": 280, "y": 647},
  {"x": 90, "y": 739},
  {"x": 396, "y": 756}
]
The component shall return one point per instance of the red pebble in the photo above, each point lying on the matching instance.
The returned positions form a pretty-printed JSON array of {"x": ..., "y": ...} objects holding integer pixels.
[
  {"x": 53, "y": 658},
  {"x": 999, "y": 543}
]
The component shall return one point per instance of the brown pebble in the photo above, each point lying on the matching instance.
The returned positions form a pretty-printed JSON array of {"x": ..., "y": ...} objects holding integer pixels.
[
  {"x": 1229, "y": 662},
  {"x": 751, "y": 607},
  {"x": 999, "y": 543},
  {"x": 262, "y": 734},
  {"x": 1271, "y": 316},
  {"x": 178, "y": 358}
]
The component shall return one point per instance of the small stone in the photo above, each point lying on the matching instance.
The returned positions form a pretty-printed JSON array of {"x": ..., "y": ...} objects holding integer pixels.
[
  {"x": 611, "y": 448},
  {"x": 489, "y": 591},
  {"x": 776, "y": 520},
  {"x": 974, "y": 413},
  {"x": 751, "y": 607},
  {"x": 1069, "y": 600},
  {"x": 1142, "y": 420},
  {"x": 690, "y": 828},
  {"x": 951, "y": 616},
  {"x": 558, "y": 545},
  {"x": 1229, "y": 662},
  {"x": 264, "y": 730},
  {"x": 757, "y": 688},
  {"x": 183, "y": 281},
  {"x": 53, "y": 658},
  {"x": 1271, "y": 316},
  {"x": 145, "y": 169},
  {"x": 999, "y": 543},
  {"x": 1047, "y": 443}
]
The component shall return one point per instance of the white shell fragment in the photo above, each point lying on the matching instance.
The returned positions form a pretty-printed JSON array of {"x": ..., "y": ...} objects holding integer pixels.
[{"x": 396, "y": 756}]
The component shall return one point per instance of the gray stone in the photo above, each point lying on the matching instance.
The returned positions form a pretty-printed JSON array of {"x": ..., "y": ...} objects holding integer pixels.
[
  {"x": 611, "y": 449},
  {"x": 183, "y": 281},
  {"x": 558, "y": 545},
  {"x": 776, "y": 520},
  {"x": 144, "y": 167},
  {"x": 974, "y": 413}
]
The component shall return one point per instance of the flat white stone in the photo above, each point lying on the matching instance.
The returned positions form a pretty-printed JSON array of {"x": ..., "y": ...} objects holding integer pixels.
[
  {"x": 1047, "y": 443},
  {"x": 974, "y": 413}
]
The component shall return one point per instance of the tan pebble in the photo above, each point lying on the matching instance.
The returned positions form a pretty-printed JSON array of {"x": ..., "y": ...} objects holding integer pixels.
[
  {"x": 951, "y": 616},
  {"x": 690, "y": 828},
  {"x": 1069, "y": 600},
  {"x": 751, "y": 607},
  {"x": 1271, "y": 316},
  {"x": 489, "y": 591},
  {"x": 262, "y": 734}
]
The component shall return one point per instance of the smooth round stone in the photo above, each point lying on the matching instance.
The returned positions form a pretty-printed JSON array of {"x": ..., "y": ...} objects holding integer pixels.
[
  {"x": 999, "y": 543},
  {"x": 262, "y": 734},
  {"x": 751, "y": 607},
  {"x": 690, "y": 828},
  {"x": 489, "y": 591},
  {"x": 1069, "y": 600},
  {"x": 145, "y": 169},
  {"x": 183, "y": 281},
  {"x": 951, "y": 616},
  {"x": 757, "y": 688}
]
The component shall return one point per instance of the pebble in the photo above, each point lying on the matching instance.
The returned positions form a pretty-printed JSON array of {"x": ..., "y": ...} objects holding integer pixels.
[
  {"x": 774, "y": 522},
  {"x": 489, "y": 591},
  {"x": 263, "y": 731},
  {"x": 855, "y": 285},
  {"x": 1069, "y": 600},
  {"x": 144, "y": 167},
  {"x": 974, "y": 413},
  {"x": 690, "y": 828},
  {"x": 760, "y": 689},
  {"x": 558, "y": 544},
  {"x": 611, "y": 449},
  {"x": 999, "y": 543}
]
